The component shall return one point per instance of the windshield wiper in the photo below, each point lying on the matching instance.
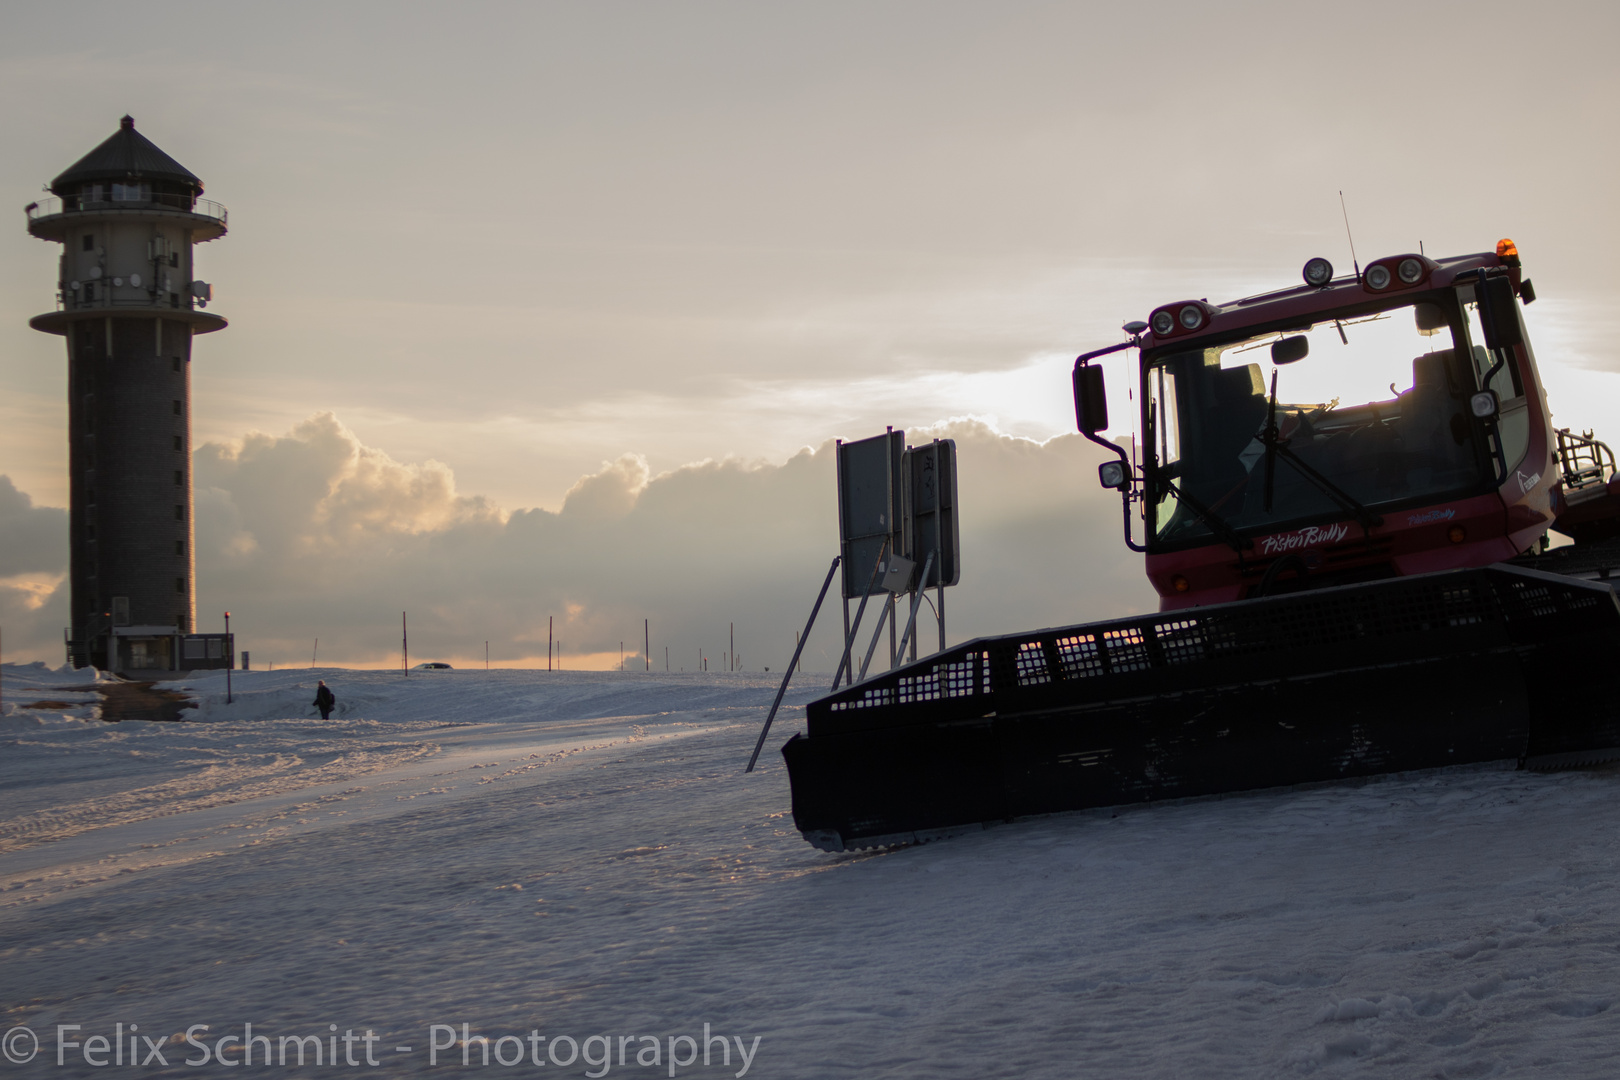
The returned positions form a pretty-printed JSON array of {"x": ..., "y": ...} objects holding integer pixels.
[
  {"x": 1217, "y": 524},
  {"x": 1271, "y": 439}
]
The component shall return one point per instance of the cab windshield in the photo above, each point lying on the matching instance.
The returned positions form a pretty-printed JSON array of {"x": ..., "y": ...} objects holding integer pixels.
[{"x": 1374, "y": 414}]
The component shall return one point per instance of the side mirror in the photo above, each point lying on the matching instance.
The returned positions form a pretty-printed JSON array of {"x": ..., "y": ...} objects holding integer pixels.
[
  {"x": 1289, "y": 349},
  {"x": 1113, "y": 474},
  {"x": 1496, "y": 314},
  {"x": 1090, "y": 401}
]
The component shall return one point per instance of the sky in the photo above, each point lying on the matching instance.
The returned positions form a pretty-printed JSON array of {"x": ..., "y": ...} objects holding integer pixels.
[{"x": 498, "y": 255}]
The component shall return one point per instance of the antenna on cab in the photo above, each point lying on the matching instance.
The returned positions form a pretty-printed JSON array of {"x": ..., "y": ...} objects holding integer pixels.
[{"x": 1352, "y": 239}]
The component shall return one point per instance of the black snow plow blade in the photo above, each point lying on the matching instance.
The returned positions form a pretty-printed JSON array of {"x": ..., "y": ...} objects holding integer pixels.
[{"x": 1411, "y": 673}]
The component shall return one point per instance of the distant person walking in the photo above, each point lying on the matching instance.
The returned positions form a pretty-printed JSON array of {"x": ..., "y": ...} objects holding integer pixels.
[{"x": 324, "y": 700}]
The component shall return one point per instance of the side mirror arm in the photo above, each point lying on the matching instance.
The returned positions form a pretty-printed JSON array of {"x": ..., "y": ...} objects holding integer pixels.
[{"x": 1081, "y": 364}]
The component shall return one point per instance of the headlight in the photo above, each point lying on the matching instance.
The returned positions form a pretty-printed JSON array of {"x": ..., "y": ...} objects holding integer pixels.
[
  {"x": 1378, "y": 277},
  {"x": 1483, "y": 404},
  {"x": 1111, "y": 474},
  {"x": 1163, "y": 322},
  {"x": 1191, "y": 316},
  {"x": 1318, "y": 272},
  {"x": 1409, "y": 271}
]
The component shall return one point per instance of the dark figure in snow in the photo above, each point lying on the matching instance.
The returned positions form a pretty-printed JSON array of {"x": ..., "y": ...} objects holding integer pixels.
[{"x": 324, "y": 700}]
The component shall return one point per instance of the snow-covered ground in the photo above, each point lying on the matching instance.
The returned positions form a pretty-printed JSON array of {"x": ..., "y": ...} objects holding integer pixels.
[{"x": 575, "y": 863}]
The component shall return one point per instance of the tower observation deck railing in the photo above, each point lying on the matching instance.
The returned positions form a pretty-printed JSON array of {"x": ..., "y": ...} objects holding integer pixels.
[{"x": 184, "y": 204}]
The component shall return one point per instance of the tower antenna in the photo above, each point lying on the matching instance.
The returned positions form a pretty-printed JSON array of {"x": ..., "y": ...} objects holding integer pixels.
[{"x": 1352, "y": 239}]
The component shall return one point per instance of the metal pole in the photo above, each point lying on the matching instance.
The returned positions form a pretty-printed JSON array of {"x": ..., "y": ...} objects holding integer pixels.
[
  {"x": 486, "y": 656},
  {"x": 646, "y": 644},
  {"x": 404, "y": 646},
  {"x": 230, "y": 659},
  {"x": 876, "y": 634},
  {"x": 731, "y": 664},
  {"x": 847, "y": 662},
  {"x": 314, "y": 652},
  {"x": 843, "y": 661},
  {"x": 916, "y": 598},
  {"x": 893, "y": 621},
  {"x": 894, "y": 524},
  {"x": 550, "y": 641},
  {"x": 797, "y": 650},
  {"x": 939, "y": 537}
]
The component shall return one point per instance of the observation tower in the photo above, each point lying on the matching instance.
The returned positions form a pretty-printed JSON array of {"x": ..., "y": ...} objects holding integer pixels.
[{"x": 128, "y": 304}]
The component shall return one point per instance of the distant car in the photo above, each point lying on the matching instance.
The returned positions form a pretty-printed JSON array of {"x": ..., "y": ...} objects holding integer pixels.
[{"x": 433, "y": 667}]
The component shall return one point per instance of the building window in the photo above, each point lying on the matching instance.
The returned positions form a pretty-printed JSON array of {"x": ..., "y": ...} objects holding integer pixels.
[
  {"x": 89, "y": 295},
  {"x": 120, "y": 610},
  {"x": 179, "y": 513},
  {"x": 179, "y": 478},
  {"x": 177, "y": 445},
  {"x": 131, "y": 192},
  {"x": 179, "y": 547},
  {"x": 89, "y": 241},
  {"x": 179, "y": 584},
  {"x": 177, "y": 407},
  {"x": 176, "y": 363},
  {"x": 89, "y": 532}
]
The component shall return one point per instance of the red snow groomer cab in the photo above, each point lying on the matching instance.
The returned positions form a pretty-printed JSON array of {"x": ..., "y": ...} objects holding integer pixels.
[
  {"x": 1340, "y": 489},
  {"x": 1345, "y": 430}
]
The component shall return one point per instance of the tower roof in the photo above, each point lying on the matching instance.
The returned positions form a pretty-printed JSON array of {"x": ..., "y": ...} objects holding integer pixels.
[{"x": 127, "y": 154}]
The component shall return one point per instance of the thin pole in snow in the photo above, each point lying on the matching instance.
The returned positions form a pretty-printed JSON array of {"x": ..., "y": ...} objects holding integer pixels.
[
  {"x": 314, "y": 651},
  {"x": 404, "y": 646},
  {"x": 646, "y": 643},
  {"x": 666, "y": 659},
  {"x": 731, "y": 665},
  {"x": 621, "y": 656},
  {"x": 230, "y": 653},
  {"x": 486, "y": 656},
  {"x": 549, "y": 640}
]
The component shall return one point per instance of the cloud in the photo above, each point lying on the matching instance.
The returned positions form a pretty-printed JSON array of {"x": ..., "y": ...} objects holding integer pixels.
[
  {"x": 314, "y": 534},
  {"x": 33, "y": 574}
]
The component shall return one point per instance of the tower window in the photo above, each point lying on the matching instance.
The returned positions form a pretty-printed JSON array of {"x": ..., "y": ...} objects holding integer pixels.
[
  {"x": 89, "y": 532},
  {"x": 176, "y": 363},
  {"x": 179, "y": 584},
  {"x": 179, "y": 547},
  {"x": 177, "y": 406},
  {"x": 89, "y": 241},
  {"x": 177, "y": 445},
  {"x": 179, "y": 513},
  {"x": 179, "y": 478}
]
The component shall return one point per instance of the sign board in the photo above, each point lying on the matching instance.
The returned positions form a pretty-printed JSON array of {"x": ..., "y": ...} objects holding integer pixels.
[
  {"x": 929, "y": 517},
  {"x": 870, "y": 505}
]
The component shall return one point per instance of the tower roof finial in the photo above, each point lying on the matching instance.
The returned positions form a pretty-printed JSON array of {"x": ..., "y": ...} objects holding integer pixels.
[{"x": 126, "y": 154}]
